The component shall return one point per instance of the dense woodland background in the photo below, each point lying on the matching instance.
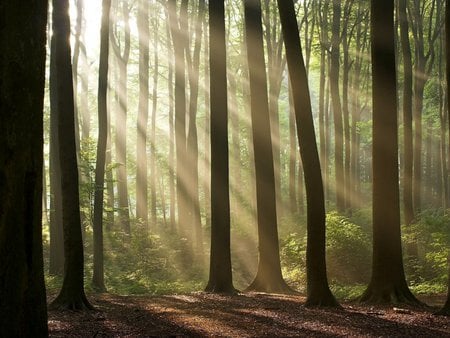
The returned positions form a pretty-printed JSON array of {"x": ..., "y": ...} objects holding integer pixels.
[{"x": 182, "y": 144}]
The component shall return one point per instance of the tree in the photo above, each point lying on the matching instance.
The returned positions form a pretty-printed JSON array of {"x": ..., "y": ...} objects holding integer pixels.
[
  {"x": 220, "y": 273},
  {"x": 72, "y": 294},
  {"x": 446, "y": 308},
  {"x": 56, "y": 256},
  {"x": 142, "y": 120},
  {"x": 407, "y": 117},
  {"x": 387, "y": 284},
  {"x": 122, "y": 58},
  {"x": 22, "y": 72},
  {"x": 318, "y": 291},
  {"x": 337, "y": 109},
  {"x": 268, "y": 277},
  {"x": 98, "y": 275},
  {"x": 180, "y": 109}
]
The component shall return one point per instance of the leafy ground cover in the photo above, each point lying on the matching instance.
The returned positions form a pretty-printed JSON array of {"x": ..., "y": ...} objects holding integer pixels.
[{"x": 243, "y": 315}]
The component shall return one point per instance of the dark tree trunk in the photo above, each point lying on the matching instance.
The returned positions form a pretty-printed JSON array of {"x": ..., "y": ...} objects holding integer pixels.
[
  {"x": 408, "y": 210},
  {"x": 56, "y": 259},
  {"x": 141, "y": 143},
  {"x": 98, "y": 274},
  {"x": 292, "y": 154},
  {"x": 22, "y": 71},
  {"x": 387, "y": 284},
  {"x": 220, "y": 273},
  {"x": 72, "y": 294},
  {"x": 446, "y": 308},
  {"x": 268, "y": 277},
  {"x": 318, "y": 292}
]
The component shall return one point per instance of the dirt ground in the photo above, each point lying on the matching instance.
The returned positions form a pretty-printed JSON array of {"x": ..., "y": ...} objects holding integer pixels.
[{"x": 243, "y": 315}]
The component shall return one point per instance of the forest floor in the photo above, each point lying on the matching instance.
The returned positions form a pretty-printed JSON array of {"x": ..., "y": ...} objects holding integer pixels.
[{"x": 243, "y": 315}]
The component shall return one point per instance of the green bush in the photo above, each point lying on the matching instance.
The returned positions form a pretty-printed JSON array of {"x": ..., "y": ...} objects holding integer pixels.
[{"x": 348, "y": 251}]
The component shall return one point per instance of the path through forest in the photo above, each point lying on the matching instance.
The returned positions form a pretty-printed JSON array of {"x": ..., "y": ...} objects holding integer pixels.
[{"x": 243, "y": 315}]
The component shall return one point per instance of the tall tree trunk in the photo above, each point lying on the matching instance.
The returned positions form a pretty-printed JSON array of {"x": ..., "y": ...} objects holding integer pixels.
[
  {"x": 337, "y": 109},
  {"x": 98, "y": 274},
  {"x": 408, "y": 210},
  {"x": 22, "y": 291},
  {"x": 387, "y": 284},
  {"x": 142, "y": 119},
  {"x": 318, "y": 292},
  {"x": 56, "y": 259},
  {"x": 171, "y": 64},
  {"x": 121, "y": 119},
  {"x": 220, "y": 273},
  {"x": 153, "y": 174},
  {"x": 446, "y": 308},
  {"x": 268, "y": 277},
  {"x": 180, "y": 116},
  {"x": 192, "y": 140},
  {"x": 292, "y": 154},
  {"x": 72, "y": 294}
]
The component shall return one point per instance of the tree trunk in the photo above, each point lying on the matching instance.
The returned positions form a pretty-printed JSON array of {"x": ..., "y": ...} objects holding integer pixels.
[
  {"x": 121, "y": 120},
  {"x": 141, "y": 142},
  {"x": 56, "y": 258},
  {"x": 337, "y": 110},
  {"x": 387, "y": 284},
  {"x": 98, "y": 274},
  {"x": 268, "y": 277},
  {"x": 220, "y": 273},
  {"x": 408, "y": 209},
  {"x": 22, "y": 62},
  {"x": 180, "y": 116},
  {"x": 72, "y": 294},
  {"x": 153, "y": 174},
  {"x": 446, "y": 308},
  {"x": 192, "y": 140},
  {"x": 318, "y": 292}
]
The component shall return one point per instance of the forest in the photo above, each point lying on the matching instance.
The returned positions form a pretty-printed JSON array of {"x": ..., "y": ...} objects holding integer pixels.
[{"x": 224, "y": 168}]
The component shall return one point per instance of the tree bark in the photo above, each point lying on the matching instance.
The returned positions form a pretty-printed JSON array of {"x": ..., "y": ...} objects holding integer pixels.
[
  {"x": 268, "y": 277},
  {"x": 387, "y": 284},
  {"x": 141, "y": 142},
  {"x": 98, "y": 274},
  {"x": 22, "y": 71},
  {"x": 318, "y": 292},
  {"x": 337, "y": 109},
  {"x": 72, "y": 294},
  {"x": 220, "y": 273}
]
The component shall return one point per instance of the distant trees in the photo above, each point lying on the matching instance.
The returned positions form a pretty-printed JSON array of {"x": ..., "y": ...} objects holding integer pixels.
[{"x": 22, "y": 72}]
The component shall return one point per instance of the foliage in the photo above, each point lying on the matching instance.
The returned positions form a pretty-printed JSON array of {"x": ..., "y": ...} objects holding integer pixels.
[
  {"x": 348, "y": 250},
  {"x": 431, "y": 232},
  {"x": 348, "y": 253}
]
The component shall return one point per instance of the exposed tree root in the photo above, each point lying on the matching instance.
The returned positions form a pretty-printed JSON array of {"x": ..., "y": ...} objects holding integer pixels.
[
  {"x": 79, "y": 303},
  {"x": 275, "y": 286},
  {"x": 392, "y": 295},
  {"x": 221, "y": 289},
  {"x": 322, "y": 299}
]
